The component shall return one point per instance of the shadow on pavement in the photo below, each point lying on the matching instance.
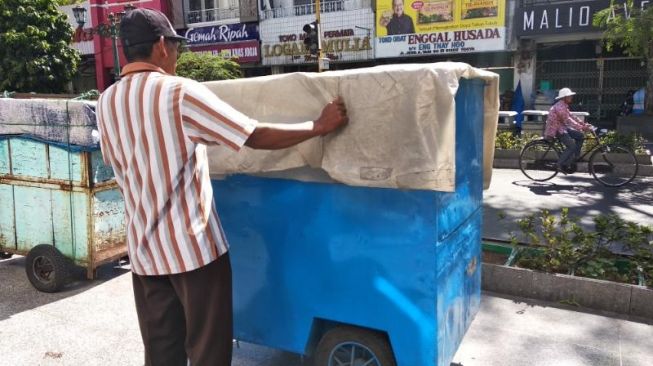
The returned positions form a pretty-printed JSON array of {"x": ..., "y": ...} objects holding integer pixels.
[
  {"x": 18, "y": 295},
  {"x": 549, "y": 189}
]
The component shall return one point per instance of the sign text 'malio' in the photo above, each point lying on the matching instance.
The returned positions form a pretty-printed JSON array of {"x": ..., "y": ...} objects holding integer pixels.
[{"x": 570, "y": 17}]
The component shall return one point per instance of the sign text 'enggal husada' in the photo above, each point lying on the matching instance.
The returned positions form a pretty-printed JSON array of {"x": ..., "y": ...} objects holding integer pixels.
[{"x": 569, "y": 17}]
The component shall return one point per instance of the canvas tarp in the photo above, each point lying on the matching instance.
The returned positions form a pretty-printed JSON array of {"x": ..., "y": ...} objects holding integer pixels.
[
  {"x": 57, "y": 121},
  {"x": 401, "y": 132}
]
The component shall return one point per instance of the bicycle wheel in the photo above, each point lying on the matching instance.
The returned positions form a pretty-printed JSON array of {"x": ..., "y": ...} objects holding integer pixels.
[
  {"x": 539, "y": 160},
  {"x": 613, "y": 165}
]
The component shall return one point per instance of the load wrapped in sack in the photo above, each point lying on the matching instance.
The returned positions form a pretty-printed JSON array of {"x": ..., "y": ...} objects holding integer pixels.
[
  {"x": 401, "y": 132},
  {"x": 56, "y": 121}
]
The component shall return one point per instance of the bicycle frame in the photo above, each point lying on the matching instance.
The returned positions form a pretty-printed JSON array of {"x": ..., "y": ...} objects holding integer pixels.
[{"x": 597, "y": 144}]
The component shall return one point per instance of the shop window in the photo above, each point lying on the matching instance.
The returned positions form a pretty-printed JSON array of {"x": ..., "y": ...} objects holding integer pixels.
[
  {"x": 202, "y": 11},
  {"x": 286, "y": 8},
  {"x": 303, "y": 7}
]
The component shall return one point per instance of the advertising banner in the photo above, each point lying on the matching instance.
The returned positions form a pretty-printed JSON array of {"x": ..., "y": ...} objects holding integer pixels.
[
  {"x": 222, "y": 34},
  {"x": 428, "y": 27},
  {"x": 282, "y": 39},
  {"x": 242, "y": 52},
  {"x": 235, "y": 41}
]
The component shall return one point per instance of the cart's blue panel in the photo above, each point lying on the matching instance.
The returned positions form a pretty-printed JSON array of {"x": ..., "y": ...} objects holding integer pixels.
[
  {"x": 108, "y": 219},
  {"x": 70, "y": 215},
  {"x": 65, "y": 165},
  {"x": 99, "y": 171},
  {"x": 4, "y": 157},
  {"x": 33, "y": 216},
  {"x": 403, "y": 262},
  {"x": 7, "y": 222},
  {"x": 29, "y": 158}
]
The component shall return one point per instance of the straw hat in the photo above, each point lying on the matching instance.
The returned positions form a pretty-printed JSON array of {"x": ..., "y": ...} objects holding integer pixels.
[{"x": 564, "y": 92}]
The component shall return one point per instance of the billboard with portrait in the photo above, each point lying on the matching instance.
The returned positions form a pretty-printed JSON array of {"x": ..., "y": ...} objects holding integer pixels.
[{"x": 426, "y": 27}]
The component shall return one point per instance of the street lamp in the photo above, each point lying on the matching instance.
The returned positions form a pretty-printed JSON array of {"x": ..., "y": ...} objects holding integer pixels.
[{"x": 105, "y": 30}]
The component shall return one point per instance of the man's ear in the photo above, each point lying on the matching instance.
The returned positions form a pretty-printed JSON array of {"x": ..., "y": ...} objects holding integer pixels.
[{"x": 160, "y": 47}]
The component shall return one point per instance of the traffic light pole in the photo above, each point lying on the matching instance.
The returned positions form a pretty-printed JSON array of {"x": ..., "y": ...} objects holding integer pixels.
[{"x": 319, "y": 36}]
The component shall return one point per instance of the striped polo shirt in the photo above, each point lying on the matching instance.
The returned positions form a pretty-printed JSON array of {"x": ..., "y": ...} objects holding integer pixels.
[{"x": 154, "y": 128}]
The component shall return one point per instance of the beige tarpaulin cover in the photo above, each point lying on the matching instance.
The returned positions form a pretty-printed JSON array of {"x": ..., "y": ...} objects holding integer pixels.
[{"x": 401, "y": 132}]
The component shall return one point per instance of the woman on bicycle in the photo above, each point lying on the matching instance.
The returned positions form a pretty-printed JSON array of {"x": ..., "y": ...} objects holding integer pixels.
[{"x": 569, "y": 129}]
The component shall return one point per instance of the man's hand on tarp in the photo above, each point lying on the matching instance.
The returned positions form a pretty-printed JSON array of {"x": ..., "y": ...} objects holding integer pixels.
[{"x": 334, "y": 116}]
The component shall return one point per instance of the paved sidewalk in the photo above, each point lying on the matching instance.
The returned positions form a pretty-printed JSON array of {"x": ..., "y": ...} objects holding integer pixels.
[
  {"x": 94, "y": 323},
  {"x": 518, "y": 332}
]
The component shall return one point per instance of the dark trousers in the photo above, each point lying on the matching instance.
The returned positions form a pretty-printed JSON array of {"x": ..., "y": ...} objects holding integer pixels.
[
  {"x": 187, "y": 316},
  {"x": 573, "y": 140}
]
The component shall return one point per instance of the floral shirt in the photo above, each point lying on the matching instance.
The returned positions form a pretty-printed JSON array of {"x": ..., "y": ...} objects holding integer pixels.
[{"x": 560, "y": 120}]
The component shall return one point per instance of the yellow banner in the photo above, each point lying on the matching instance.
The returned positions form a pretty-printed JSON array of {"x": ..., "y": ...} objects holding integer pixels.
[{"x": 395, "y": 17}]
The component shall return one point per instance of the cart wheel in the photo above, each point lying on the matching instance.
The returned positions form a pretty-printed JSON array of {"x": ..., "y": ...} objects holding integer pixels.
[
  {"x": 349, "y": 346},
  {"x": 47, "y": 269},
  {"x": 5, "y": 255}
]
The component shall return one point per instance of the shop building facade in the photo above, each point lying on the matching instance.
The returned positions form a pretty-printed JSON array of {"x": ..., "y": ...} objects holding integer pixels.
[{"x": 557, "y": 46}]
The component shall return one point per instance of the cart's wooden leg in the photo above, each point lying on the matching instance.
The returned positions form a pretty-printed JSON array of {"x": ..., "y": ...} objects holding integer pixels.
[{"x": 91, "y": 273}]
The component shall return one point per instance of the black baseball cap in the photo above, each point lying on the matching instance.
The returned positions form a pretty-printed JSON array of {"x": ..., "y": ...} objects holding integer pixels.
[{"x": 142, "y": 25}]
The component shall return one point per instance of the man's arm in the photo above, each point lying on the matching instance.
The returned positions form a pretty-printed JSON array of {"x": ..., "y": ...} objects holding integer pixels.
[
  {"x": 207, "y": 119},
  {"x": 570, "y": 121},
  {"x": 577, "y": 124},
  {"x": 268, "y": 136}
]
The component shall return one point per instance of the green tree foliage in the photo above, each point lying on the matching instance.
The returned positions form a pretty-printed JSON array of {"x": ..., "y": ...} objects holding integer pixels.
[
  {"x": 35, "y": 55},
  {"x": 631, "y": 28},
  {"x": 205, "y": 67}
]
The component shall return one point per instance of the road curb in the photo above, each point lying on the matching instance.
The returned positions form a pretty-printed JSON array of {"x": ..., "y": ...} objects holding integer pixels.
[{"x": 590, "y": 293}]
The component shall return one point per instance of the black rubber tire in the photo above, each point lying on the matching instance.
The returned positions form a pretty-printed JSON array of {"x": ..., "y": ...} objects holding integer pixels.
[
  {"x": 529, "y": 156},
  {"x": 599, "y": 157},
  {"x": 47, "y": 269},
  {"x": 336, "y": 337},
  {"x": 5, "y": 255}
]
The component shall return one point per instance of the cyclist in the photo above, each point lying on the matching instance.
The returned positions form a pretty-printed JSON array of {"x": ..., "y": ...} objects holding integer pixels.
[{"x": 569, "y": 129}]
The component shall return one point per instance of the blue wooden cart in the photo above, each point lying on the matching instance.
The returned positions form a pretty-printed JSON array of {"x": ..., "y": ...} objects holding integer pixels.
[
  {"x": 357, "y": 276},
  {"x": 59, "y": 206}
]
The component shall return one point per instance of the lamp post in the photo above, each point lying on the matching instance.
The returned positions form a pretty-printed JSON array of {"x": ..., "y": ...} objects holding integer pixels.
[{"x": 105, "y": 30}]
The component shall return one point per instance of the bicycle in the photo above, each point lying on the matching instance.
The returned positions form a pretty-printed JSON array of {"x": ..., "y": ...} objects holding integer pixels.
[{"x": 613, "y": 165}]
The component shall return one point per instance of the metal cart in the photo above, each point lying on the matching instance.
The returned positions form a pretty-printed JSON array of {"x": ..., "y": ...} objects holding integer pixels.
[{"x": 360, "y": 276}]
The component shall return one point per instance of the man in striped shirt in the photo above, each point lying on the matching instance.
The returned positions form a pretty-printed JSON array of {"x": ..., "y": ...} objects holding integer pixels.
[{"x": 154, "y": 130}]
